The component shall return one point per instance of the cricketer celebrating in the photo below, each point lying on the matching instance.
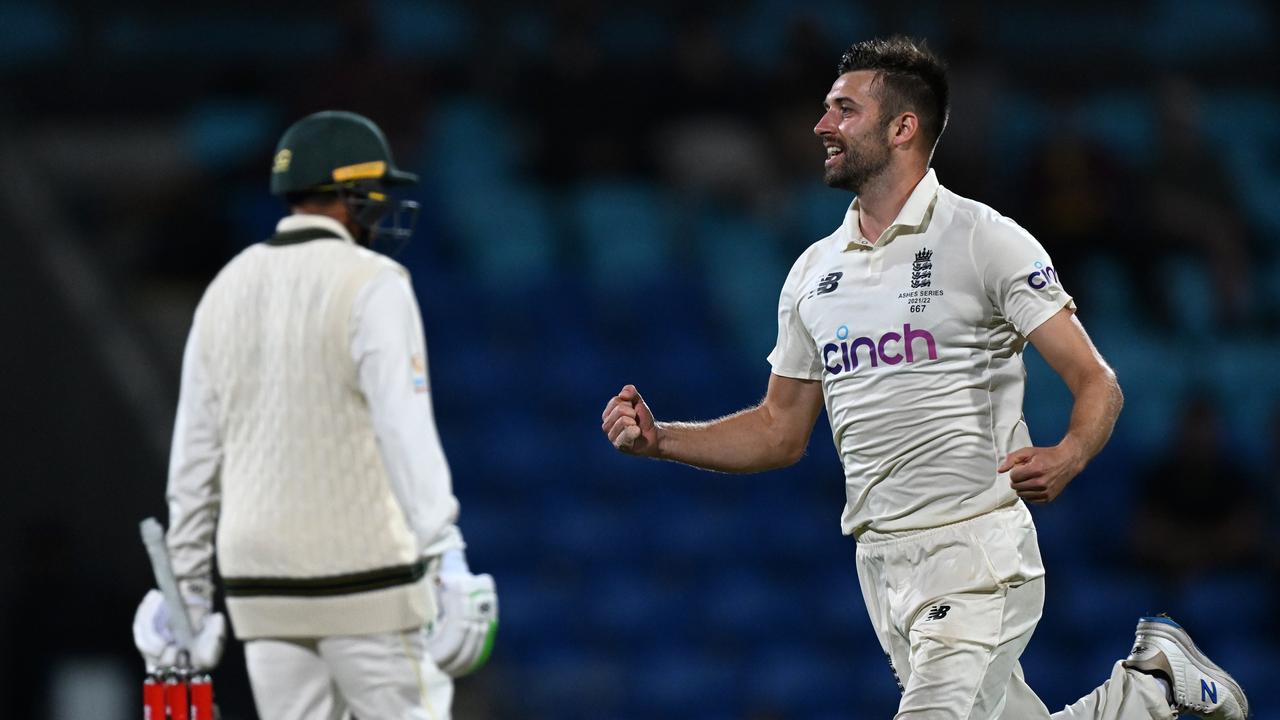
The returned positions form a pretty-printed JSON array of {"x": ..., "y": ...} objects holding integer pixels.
[
  {"x": 305, "y": 441},
  {"x": 909, "y": 321}
]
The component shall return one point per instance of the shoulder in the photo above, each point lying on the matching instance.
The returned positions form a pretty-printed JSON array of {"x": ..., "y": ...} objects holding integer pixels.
[
  {"x": 989, "y": 229},
  {"x": 805, "y": 265},
  {"x": 374, "y": 263},
  {"x": 235, "y": 267}
]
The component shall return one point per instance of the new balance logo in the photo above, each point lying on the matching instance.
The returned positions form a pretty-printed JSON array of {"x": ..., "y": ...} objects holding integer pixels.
[
  {"x": 937, "y": 612},
  {"x": 1208, "y": 691},
  {"x": 827, "y": 283}
]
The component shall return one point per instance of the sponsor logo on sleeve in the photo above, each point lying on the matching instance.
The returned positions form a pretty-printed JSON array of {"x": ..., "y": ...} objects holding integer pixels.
[
  {"x": 1043, "y": 276},
  {"x": 419, "y": 365}
]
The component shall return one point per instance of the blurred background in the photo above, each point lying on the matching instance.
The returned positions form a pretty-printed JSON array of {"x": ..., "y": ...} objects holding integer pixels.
[{"x": 614, "y": 193}]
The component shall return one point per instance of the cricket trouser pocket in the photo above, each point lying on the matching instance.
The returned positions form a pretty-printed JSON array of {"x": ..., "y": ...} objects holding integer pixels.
[{"x": 954, "y": 607}]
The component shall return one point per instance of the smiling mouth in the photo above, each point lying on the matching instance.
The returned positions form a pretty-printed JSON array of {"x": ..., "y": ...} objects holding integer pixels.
[{"x": 833, "y": 152}]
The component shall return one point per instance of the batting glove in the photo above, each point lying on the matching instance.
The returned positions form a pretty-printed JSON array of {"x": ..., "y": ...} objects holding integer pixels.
[
  {"x": 155, "y": 639},
  {"x": 462, "y": 635}
]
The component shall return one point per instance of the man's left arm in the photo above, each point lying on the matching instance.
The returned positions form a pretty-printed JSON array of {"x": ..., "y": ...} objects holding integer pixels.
[
  {"x": 389, "y": 349},
  {"x": 1039, "y": 474}
]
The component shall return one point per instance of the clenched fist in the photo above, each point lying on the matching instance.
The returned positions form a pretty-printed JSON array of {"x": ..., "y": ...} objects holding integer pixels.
[
  {"x": 629, "y": 425},
  {"x": 1040, "y": 474}
]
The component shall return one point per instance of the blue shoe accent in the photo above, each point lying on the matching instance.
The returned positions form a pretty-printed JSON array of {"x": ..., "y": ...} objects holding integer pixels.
[{"x": 1160, "y": 619}]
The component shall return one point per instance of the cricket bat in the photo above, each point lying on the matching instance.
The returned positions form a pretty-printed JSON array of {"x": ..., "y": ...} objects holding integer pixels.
[{"x": 179, "y": 621}]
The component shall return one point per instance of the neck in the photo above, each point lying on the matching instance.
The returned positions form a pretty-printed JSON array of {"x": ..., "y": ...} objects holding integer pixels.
[
  {"x": 882, "y": 198},
  {"x": 333, "y": 211}
]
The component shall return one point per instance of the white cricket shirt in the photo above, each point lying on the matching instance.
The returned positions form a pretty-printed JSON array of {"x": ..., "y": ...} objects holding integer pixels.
[{"x": 917, "y": 339}]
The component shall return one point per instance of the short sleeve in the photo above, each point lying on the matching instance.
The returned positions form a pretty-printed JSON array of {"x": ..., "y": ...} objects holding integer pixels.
[
  {"x": 795, "y": 355},
  {"x": 1020, "y": 278}
]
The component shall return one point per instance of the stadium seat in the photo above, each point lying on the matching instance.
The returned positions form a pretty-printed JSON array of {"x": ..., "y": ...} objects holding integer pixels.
[
  {"x": 470, "y": 150},
  {"x": 572, "y": 682},
  {"x": 744, "y": 271},
  {"x": 424, "y": 29},
  {"x": 214, "y": 38},
  {"x": 760, "y": 35},
  {"x": 624, "y": 232},
  {"x": 817, "y": 211},
  {"x": 1182, "y": 31},
  {"x": 31, "y": 34},
  {"x": 1122, "y": 122},
  {"x": 1110, "y": 311},
  {"x": 797, "y": 679},
  {"x": 1248, "y": 389},
  {"x": 1253, "y": 158},
  {"x": 222, "y": 135},
  {"x": 507, "y": 236},
  {"x": 681, "y": 682},
  {"x": 1154, "y": 391},
  {"x": 1220, "y": 602},
  {"x": 626, "y": 604},
  {"x": 1192, "y": 293},
  {"x": 1100, "y": 607}
]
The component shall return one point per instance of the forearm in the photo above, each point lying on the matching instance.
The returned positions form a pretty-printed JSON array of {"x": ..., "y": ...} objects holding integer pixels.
[
  {"x": 745, "y": 442},
  {"x": 1093, "y": 415},
  {"x": 193, "y": 518}
]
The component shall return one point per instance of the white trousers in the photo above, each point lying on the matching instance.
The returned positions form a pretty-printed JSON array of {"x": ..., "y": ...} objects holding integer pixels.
[
  {"x": 385, "y": 676},
  {"x": 955, "y": 606}
]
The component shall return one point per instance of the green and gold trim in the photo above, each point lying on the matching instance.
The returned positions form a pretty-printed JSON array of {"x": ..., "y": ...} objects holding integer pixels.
[
  {"x": 360, "y": 171},
  {"x": 348, "y": 584}
]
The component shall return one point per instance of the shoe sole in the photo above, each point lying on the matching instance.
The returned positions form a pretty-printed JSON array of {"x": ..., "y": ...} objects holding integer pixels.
[{"x": 1170, "y": 630}]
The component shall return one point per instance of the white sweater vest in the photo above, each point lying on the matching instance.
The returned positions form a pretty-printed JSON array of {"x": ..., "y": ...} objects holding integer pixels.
[{"x": 311, "y": 541}]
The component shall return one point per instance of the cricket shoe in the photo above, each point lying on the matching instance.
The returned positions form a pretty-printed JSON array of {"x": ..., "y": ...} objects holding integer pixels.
[{"x": 1198, "y": 686}]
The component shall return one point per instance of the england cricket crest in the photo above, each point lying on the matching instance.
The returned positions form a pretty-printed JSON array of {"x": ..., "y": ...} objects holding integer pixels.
[
  {"x": 920, "y": 293},
  {"x": 922, "y": 269}
]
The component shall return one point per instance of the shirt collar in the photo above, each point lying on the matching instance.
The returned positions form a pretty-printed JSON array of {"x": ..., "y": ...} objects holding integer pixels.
[
  {"x": 912, "y": 219},
  {"x": 293, "y": 223}
]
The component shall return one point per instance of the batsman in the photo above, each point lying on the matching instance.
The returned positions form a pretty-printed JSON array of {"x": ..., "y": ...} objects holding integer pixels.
[{"x": 305, "y": 450}]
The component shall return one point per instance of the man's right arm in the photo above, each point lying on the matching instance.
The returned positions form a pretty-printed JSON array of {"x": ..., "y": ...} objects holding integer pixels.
[{"x": 770, "y": 435}]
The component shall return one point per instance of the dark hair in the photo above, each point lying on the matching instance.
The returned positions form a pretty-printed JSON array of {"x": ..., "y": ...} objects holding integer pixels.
[{"x": 911, "y": 78}]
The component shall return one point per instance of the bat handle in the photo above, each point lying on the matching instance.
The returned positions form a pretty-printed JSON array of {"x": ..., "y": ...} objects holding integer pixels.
[{"x": 179, "y": 620}]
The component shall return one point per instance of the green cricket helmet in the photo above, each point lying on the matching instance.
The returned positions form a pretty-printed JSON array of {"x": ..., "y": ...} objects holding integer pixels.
[{"x": 345, "y": 153}]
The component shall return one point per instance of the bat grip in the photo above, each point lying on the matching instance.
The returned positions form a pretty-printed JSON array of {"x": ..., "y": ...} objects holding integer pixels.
[{"x": 179, "y": 620}]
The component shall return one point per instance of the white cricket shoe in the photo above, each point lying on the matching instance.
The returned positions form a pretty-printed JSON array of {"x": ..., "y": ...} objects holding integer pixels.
[{"x": 1199, "y": 687}]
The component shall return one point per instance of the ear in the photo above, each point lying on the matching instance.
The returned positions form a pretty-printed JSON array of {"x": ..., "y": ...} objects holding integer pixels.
[{"x": 903, "y": 129}]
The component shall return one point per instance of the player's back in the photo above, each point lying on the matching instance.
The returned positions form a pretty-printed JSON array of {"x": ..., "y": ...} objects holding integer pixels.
[{"x": 304, "y": 491}]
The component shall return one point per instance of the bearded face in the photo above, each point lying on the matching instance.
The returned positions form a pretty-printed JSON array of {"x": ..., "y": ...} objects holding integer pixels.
[
  {"x": 853, "y": 132},
  {"x": 853, "y": 161}
]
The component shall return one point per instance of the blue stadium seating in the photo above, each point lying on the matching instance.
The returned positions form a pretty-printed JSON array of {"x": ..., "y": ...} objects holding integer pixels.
[
  {"x": 31, "y": 34},
  {"x": 424, "y": 29},
  {"x": 625, "y": 236}
]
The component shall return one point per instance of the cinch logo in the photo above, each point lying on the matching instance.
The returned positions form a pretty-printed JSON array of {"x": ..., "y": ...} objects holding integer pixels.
[
  {"x": 1044, "y": 275},
  {"x": 844, "y": 357}
]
